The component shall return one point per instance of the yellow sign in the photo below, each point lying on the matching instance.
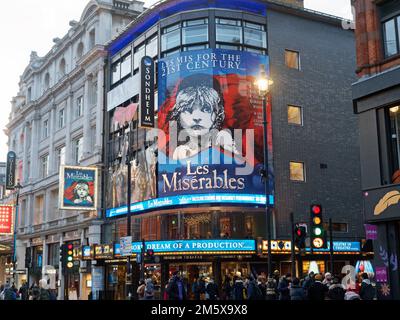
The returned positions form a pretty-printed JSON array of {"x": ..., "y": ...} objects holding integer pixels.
[{"x": 389, "y": 199}]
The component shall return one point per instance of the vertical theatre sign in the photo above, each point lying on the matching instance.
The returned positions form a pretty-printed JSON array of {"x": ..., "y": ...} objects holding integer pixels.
[
  {"x": 78, "y": 188},
  {"x": 146, "y": 110},
  {"x": 6, "y": 220},
  {"x": 10, "y": 172}
]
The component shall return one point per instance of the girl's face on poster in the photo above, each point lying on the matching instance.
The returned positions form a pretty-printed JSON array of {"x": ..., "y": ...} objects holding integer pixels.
[
  {"x": 197, "y": 114},
  {"x": 82, "y": 190}
]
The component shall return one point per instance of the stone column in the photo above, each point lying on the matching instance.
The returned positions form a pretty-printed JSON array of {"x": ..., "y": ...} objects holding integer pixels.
[
  {"x": 25, "y": 169},
  {"x": 47, "y": 207},
  {"x": 86, "y": 121},
  {"x": 44, "y": 257},
  {"x": 69, "y": 115},
  {"x": 100, "y": 109}
]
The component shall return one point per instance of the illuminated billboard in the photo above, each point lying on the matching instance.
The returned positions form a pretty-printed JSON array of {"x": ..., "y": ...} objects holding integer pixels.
[{"x": 210, "y": 134}]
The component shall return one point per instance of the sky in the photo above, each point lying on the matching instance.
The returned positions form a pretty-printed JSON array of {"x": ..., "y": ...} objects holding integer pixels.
[{"x": 31, "y": 25}]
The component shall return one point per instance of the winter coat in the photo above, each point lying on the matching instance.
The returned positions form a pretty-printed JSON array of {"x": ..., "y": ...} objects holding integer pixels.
[
  {"x": 9, "y": 294},
  {"x": 212, "y": 291},
  {"x": 271, "y": 289},
  {"x": 297, "y": 293},
  {"x": 253, "y": 291},
  {"x": 317, "y": 291},
  {"x": 283, "y": 289},
  {"x": 227, "y": 289},
  {"x": 44, "y": 294},
  {"x": 149, "y": 290},
  {"x": 368, "y": 290},
  {"x": 238, "y": 290},
  {"x": 173, "y": 289},
  {"x": 336, "y": 292},
  {"x": 263, "y": 289}
]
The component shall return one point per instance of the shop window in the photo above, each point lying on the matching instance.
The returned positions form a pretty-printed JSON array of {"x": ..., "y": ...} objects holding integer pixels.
[
  {"x": 292, "y": 59},
  {"x": 295, "y": 115},
  {"x": 297, "y": 172}
]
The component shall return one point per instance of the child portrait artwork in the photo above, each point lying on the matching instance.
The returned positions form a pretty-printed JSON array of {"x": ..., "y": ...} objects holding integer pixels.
[{"x": 78, "y": 188}]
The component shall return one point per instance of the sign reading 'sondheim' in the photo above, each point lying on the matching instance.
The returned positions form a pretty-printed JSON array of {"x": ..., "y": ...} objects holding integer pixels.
[
  {"x": 146, "y": 110},
  {"x": 10, "y": 172}
]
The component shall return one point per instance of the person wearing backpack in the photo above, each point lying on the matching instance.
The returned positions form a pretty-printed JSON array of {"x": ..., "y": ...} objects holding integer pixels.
[
  {"x": 368, "y": 289},
  {"x": 253, "y": 291}
]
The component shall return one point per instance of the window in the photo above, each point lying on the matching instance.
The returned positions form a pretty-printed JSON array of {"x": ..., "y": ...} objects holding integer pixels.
[
  {"x": 79, "y": 107},
  {"x": 255, "y": 35},
  {"x": 229, "y": 31},
  {"x": 292, "y": 59},
  {"x": 78, "y": 149},
  {"x": 29, "y": 95},
  {"x": 391, "y": 36},
  {"x": 297, "y": 171},
  {"x": 171, "y": 37},
  {"x": 60, "y": 157},
  {"x": 196, "y": 47},
  {"x": 46, "y": 81},
  {"x": 228, "y": 47},
  {"x": 115, "y": 72},
  {"x": 62, "y": 68},
  {"x": 139, "y": 54},
  {"x": 44, "y": 166},
  {"x": 45, "y": 132},
  {"x": 92, "y": 38},
  {"x": 126, "y": 65},
  {"x": 394, "y": 136},
  {"x": 295, "y": 115},
  {"x": 39, "y": 209},
  {"x": 61, "y": 119},
  {"x": 195, "y": 31},
  {"x": 79, "y": 51},
  {"x": 152, "y": 47}
]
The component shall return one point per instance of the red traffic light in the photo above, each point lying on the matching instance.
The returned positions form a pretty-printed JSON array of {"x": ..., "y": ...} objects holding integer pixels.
[
  {"x": 70, "y": 247},
  {"x": 298, "y": 232},
  {"x": 150, "y": 252},
  {"x": 316, "y": 209}
]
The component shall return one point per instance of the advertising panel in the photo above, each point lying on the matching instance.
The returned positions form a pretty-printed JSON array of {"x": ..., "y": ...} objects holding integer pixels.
[
  {"x": 209, "y": 146},
  {"x": 6, "y": 220},
  {"x": 78, "y": 188}
]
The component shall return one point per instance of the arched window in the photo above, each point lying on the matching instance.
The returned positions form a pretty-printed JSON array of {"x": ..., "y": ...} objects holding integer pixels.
[
  {"x": 62, "y": 68},
  {"x": 79, "y": 51}
]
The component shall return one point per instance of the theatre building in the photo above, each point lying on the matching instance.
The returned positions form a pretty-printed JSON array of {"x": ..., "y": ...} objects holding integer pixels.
[
  {"x": 196, "y": 191},
  {"x": 376, "y": 96}
]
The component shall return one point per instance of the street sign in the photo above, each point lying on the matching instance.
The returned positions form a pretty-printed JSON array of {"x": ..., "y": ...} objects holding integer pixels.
[
  {"x": 10, "y": 170},
  {"x": 126, "y": 246}
]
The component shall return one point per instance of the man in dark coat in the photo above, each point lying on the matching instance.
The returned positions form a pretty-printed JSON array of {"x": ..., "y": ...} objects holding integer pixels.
[
  {"x": 317, "y": 290},
  {"x": 336, "y": 290},
  {"x": 283, "y": 287},
  {"x": 212, "y": 290},
  {"x": 238, "y": 289},
  {"x": 176, "y": 288}
]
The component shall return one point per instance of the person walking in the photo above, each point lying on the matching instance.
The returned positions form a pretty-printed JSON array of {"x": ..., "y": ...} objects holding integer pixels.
[
  {"x": 238, "y": 289},
  {"x": 368, "y": 289},
  {"x": 140, "y": 290},
  {"x": 44, "y": 293},
  {"x": 176, "y": 288},
  {"x": 9, "y": 293},
  {"x": 227, "y": 288},
  {"x": 253, "y": 291},
  {"x": 317, "y": 290},
  {"x": 328, "y": 279},
  {"x": 262, "y": 286},
  {"x": 296, "y": 291},
  {"x": 271, "y": 289},
  {"x": 336, "y": 290},
  {"x": 23, "y": 291},
  {"x": 212, "y": 290},
  {"x": 308, "y": 281},
  {"x": 149, "y": 290},
  {"x": 283, "y": 287}
]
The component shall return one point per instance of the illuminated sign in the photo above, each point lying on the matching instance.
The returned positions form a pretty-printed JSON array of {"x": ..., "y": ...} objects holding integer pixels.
[
  {"x": 87, "y": 253},
  {"x": 192, "y": 246},
  {"x": 146, "y": 110},
  {"x": 6, "y": 220},
  {"x": 10, "y": 170},
  {"x": 217, "y": 198},
  {"x": 341, "y": 246},
  {"x": 103, "y": 251}
]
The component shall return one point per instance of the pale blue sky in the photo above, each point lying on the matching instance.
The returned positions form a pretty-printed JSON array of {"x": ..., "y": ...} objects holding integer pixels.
[{"x": 31, "y": 25}]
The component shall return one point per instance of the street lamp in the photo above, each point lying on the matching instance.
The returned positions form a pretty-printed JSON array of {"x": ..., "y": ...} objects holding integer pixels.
[
  {"x": 263, "y": 83},
  {"x": 17, "y": 187}
]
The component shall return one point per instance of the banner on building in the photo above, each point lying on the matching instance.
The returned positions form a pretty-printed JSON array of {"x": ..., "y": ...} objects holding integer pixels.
[
  {"x": 78, "y": 188},
  {"x": 6, "y": 220},
  {"x": 371, "y": 231},
  {"x": 10, "y": 170},
  {"x": 146, "y": 110},
  {"x": 210, "y": 115}
]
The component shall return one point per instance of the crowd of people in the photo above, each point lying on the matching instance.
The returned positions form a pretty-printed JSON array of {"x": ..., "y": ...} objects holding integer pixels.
[
  {"x": 315, "y": 287},
  {"x": 40, "y": 291}
]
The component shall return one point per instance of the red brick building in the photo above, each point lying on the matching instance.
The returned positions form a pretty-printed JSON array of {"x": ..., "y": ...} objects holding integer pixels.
[{"x": 376, "y": 97}]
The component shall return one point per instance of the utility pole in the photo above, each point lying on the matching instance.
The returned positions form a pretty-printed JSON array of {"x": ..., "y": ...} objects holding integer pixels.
[
  {"x": 331, "y": 244},
  {"x": 293, "y": 254},
  {"x": 142, "y": 260}
]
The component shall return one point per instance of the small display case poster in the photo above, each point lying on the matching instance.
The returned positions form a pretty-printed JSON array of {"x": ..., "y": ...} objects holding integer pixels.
[
  {"x": 6, "y": 220},
  {"x": 78, "y": 188}
]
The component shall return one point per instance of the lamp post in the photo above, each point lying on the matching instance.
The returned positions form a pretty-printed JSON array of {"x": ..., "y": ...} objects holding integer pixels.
[
  {"x": 17, "y": 187},
  {"x": 263, "y": 83}
]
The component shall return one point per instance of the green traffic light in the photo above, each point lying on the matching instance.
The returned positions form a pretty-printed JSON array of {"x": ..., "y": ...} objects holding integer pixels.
[{"x": 317, "y": 231}]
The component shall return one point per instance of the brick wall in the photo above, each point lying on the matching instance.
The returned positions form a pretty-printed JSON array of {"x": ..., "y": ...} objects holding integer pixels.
[{"x": 369, "y": 44}]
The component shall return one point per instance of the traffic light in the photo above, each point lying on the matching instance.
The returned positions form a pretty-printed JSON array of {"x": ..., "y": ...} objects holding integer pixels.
[
  {"x": 300, "y": 234},
  {"x": 150, "y": 255},
  {"x": 63, "y": 255},
  {"x": 66, "y": 256},
  {"x": 318, "y": 237},
  {"x": 70, "y": 258}
]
